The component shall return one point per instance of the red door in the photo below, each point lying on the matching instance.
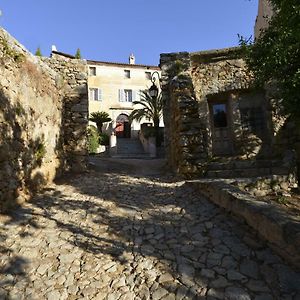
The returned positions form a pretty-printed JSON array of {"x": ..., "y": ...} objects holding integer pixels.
[{"x": 120, "y": 129}]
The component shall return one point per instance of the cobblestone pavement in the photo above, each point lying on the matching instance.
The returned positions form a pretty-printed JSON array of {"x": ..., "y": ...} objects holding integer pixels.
[{"x": 109, "y": 236}]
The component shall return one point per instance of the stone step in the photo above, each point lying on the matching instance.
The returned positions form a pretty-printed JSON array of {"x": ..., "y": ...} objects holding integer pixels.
[
  {"x": 245, "y": 173},
  {"x": 129, "y": 147},
  {"x": 132, "y": 156},
  {"x": 244, "y": 164}
]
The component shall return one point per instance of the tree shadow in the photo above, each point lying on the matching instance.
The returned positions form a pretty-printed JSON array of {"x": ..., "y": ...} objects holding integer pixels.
[
  {"x": 22, "y": 159},
  {"x": 116, "y": 215},
  {"x": 155, "y": 219}
]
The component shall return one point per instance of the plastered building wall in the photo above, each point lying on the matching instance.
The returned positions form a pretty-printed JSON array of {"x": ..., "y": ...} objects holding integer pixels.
[{"x": 110, "y": 79}]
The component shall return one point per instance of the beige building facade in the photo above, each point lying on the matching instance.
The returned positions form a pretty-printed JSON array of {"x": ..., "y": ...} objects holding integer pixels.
[{"x": 113, "y": 87}]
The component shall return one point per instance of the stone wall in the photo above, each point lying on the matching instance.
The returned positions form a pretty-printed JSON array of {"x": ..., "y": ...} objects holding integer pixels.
[
  {"x": 264, "y": 15},
  {"x": 39, "y": 136},
  {"x": 75, "y": 109},
  {"x": 188, "y": 80},
  {"x": 192, "y": 84}
]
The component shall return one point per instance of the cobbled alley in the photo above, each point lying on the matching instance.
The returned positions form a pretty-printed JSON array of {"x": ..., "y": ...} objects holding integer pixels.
[{"x": 116, "y": 235}]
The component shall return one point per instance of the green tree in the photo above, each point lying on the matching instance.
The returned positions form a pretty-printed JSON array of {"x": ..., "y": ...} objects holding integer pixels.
[
  {"x": 275, "y": 55},
  {"x": 151, "y": 109},
  {"x": 78, "y": 54},
  {"x": 100, "y": 117},
  {"x": 38, "y": 52}
]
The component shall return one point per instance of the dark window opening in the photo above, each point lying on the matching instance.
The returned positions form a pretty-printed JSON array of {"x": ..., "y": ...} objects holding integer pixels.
[
  {"x": 253, "y": 120},
  {"x": 219, "y": 115}
]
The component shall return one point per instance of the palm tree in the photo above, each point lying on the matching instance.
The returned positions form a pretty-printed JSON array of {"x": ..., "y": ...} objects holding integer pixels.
[
  {"x": 100, "y": 117},
  {"x": 151, "y": 109}
]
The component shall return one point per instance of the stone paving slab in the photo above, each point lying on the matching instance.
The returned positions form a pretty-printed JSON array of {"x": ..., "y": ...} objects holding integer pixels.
[
  {"x": 110, "y": 236},
  {"x": 279, "y": 228}
]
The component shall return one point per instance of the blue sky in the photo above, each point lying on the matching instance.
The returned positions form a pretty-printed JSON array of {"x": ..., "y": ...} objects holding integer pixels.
[{"x": 110, "y": 30}]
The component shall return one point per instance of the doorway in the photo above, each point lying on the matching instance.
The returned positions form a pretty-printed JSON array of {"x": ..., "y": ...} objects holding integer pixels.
[
  {"x": 123, "y": 126},
  {"x": 220, "y": 127}
]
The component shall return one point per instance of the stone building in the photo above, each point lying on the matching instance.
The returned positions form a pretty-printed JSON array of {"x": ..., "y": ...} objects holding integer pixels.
[
  {"x": 217, "y": 124},
  {"x": 114, "y": 86},
  {"x": 264, "y": 15}
]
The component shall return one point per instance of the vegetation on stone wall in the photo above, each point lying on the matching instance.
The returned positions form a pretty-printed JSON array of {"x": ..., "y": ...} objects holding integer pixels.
[
  {"x": 38, "y": 52},
  {"x": 275, "y": 56},
  {"x": 78, "y": 54},
  {"x": 176, "y": 68},
  {"x": 40, "y": 151},
  {"x": 7, "y": 51}
]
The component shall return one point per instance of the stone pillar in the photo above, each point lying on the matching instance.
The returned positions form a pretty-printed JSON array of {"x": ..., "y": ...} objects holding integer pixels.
[
  {"x": 113, "y": 144},
  {"x": 75, "y": 113},
  {"x": 152, "y": 147},
  {"x": 75, "y": 129}
]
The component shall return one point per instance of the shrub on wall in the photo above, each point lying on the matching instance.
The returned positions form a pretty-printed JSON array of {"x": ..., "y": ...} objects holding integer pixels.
[
  {"x": 38, "y": 52},
  {"x": 7, "y": 51}
]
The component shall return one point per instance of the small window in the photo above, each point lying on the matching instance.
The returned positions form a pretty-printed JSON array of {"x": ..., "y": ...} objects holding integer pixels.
[
  {"x": 95, "y": 94},
  {"x": 148, "y": 75},
  {"x": 127, "y": 73},
  {"x": 92, "y": 71}
]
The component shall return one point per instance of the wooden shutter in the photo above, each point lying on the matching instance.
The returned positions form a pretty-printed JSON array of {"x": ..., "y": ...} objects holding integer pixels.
[
  {"x": 99, "y": 94},
  {"x": 133, "y": 96},
  {"x": 121, "y": 95}
]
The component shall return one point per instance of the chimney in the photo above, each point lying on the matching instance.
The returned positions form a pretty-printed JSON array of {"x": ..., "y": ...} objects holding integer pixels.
[
  {"x": 131, "y": 59},
  {"x": 53, "y": 48}
]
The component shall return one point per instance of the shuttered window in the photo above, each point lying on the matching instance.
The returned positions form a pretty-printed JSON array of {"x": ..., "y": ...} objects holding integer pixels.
[
  {"x": 127, "y": 95},
  {"x": 95, "y": 94}
]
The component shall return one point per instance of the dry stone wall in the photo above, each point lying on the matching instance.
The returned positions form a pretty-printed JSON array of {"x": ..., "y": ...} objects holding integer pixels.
[
  {"x": 39, "y": 137},
  {"x": 191, "y": 84},
  {"x": 187, "y": 82},
  {"x": 75, "y": 109}
]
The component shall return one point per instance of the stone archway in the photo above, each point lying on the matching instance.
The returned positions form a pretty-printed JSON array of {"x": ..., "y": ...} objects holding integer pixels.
[{"x": 123, "y": 126}]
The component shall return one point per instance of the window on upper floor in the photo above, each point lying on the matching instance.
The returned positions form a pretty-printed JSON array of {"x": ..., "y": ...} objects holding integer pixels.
[
  {"x": 95, "y": 94},
  {"x": 92, "y": 71},
  {"x": 148, "y": 75},
  {"x": 126, "y": 95},
  {"x": 127, "y": 73}
]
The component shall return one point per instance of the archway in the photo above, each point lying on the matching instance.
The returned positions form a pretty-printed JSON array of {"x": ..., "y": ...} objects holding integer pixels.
[{"x": 123, "y": 126}]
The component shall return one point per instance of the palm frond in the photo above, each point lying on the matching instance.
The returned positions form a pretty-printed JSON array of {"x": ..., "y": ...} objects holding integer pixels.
[{"x": 151, "y": 108}]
